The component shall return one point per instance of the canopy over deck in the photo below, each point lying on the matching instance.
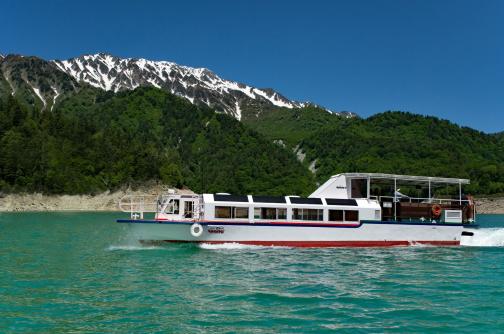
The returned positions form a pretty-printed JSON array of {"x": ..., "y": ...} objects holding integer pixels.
[
  {"x": 412, "y": 178},
  {"x": 345, "y": 185}
]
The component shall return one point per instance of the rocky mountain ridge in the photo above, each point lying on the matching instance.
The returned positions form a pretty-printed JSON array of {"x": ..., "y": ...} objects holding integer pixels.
[{"x": 43, "y": 82}]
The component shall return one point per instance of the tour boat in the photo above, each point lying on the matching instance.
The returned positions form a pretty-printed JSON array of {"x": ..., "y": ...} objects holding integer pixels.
[{"x": 349, "y": 210}]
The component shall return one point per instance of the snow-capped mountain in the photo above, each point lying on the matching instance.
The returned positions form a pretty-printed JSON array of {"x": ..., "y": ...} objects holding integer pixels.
[
  {"x": 43, "y": 84},
  {"x": 198, "y": 85}
]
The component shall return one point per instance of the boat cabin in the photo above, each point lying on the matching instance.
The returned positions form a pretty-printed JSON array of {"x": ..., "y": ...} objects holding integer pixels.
[{"x": 347, "y": 198}]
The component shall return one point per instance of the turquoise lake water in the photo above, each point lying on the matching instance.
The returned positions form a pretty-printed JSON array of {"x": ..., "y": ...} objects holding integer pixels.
[{"x": 79, "y": 272}]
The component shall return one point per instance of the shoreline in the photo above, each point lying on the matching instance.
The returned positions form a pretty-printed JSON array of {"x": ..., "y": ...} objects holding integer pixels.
[
  {"x": 490, "y": 205},
  {"x": 108, "y": 201},
  {"x": 104, "y": 202}
]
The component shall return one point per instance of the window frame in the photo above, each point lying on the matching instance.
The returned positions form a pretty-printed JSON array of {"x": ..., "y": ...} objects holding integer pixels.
[
  {"x": 301, "y": 215},
  {"x": 174, "y": 204},
  {"x": 258, "y": 213},
  {"x": 232, "y": 211},
  {"x": 351, "y": 220},
  {"x": 246, "y": 209},
  {"x": 336, "y": 220}
]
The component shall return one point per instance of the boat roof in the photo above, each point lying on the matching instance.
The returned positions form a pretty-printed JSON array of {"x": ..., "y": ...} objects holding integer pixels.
[
  {"x": 412, "y": 178},
  {"x": 277, "y": 200}
]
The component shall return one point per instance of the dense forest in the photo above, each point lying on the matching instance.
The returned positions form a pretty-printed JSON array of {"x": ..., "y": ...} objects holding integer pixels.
[
  {"x": 94, "y": 141},
  {"x": 390, "y": 142}
]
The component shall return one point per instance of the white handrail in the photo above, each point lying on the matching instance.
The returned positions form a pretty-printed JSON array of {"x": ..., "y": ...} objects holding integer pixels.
[{"x": 137, "y": 205}]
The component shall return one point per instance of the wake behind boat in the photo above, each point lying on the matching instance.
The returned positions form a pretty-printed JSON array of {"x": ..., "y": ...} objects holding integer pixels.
[{"x": 349, "y": 210}]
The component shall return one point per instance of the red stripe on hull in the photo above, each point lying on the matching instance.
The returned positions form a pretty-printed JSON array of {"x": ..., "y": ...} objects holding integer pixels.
[{"x": 306, "y": 244}]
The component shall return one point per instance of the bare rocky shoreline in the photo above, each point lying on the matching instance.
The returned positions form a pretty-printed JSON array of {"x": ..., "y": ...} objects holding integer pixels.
[
  {"x": 490, "y": 205},
  {"x": 108, "y": 201}
]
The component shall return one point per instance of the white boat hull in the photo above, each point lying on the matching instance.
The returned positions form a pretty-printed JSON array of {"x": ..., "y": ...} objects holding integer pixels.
[{"x": 365, "y": 234}]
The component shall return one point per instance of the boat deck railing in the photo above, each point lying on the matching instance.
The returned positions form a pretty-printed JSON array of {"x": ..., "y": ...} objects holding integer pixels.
[
  {"x": 137, "y": 205},
  {"x": 448, "y": 203},
  {"x": 431, "y": 200}
]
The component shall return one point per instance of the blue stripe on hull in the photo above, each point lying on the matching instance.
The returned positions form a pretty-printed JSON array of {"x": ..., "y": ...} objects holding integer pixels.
[{"x": 326, "y": 225}]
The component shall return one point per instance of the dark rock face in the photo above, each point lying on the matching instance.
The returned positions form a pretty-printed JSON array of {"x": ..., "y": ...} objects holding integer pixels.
[{"x": 36, "y": 82}]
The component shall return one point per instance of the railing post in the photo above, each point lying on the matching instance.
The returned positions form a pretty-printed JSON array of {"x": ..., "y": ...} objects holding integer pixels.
[
  {"x": 460, "y": 194},
  {"x": 430, "y": 196},
  {"x": 368, "y": 187},
  {"x": 395, "y": 199}
]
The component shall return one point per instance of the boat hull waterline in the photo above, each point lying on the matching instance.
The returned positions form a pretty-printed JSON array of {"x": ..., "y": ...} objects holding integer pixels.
[{"x": 299, "y": 234}]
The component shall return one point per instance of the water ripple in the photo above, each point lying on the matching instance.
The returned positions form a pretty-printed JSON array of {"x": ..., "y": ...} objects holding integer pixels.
[{"x": 81, "y": 273}]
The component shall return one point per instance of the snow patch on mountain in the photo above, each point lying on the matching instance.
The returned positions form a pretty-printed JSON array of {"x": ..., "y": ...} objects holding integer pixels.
[
  {"x": 37, "y": 92},
  {"x": 199, "y": 85},
  {"x": 238, "y": 111},
  {"x": 56, "y": 94}
]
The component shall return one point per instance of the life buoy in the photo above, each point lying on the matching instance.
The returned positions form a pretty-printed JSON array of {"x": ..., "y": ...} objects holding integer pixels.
[
  {"x": 196, "y": 230},
  {"x": 436, "y": 210}
]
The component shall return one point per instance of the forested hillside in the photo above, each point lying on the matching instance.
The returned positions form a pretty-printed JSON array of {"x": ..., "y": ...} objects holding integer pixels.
[
  {"x": 391, "y": 142},
  {"x": 96, "y": 140}
]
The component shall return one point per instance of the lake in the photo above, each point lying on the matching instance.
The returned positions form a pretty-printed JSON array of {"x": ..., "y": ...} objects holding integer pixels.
[{"x": 80, "y": 272}]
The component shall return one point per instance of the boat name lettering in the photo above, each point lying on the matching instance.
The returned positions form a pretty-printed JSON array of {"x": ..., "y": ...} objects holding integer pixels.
[{"x": 216, "y": 229}]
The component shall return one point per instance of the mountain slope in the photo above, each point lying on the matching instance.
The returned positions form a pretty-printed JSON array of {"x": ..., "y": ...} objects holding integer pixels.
[
  {"x": 198, "y": 85},
  {"x": 40, "y": 84},
  {"x": 91, "y": 143},
  {"x": 37, "y": 83},
  {"x": 390, "y": 142},
  {"x": 290, "y": 127},
  {"x": 404, "y": 143}
]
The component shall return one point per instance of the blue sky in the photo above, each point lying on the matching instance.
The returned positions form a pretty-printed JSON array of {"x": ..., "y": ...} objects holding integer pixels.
[{"x": 442, "y": 58}]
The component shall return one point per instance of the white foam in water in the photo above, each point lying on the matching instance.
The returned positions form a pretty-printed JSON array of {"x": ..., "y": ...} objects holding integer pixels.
[
  {"x": 418, "y": 244},
  {"x": 489, "y": 237},
  {"x": 234, "y": 245}
]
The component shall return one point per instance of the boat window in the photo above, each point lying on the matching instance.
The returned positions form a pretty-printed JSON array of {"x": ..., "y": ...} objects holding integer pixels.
[
  {"x": 270, "y": 213},
  {"x": 188, "y": 209},
  {"x": 308, "y": 214},
  {"x": 268, "y": 199},
  {"x": 336, "y": 215},
  {"x": 231, "y": 212},
  {"x": 241, "y": 213},
  {"x": 313, "y": 214},
  {"x": 173, "y": 207},
  {"x": 359, "y": 188},
  {"x": 230, "y": 198},
  {"x": 351, "y": 215},
  {"x": 222, "y": 212},
  {"x": 310, "y": 200},
  {"x": 297, "y": 214}
]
